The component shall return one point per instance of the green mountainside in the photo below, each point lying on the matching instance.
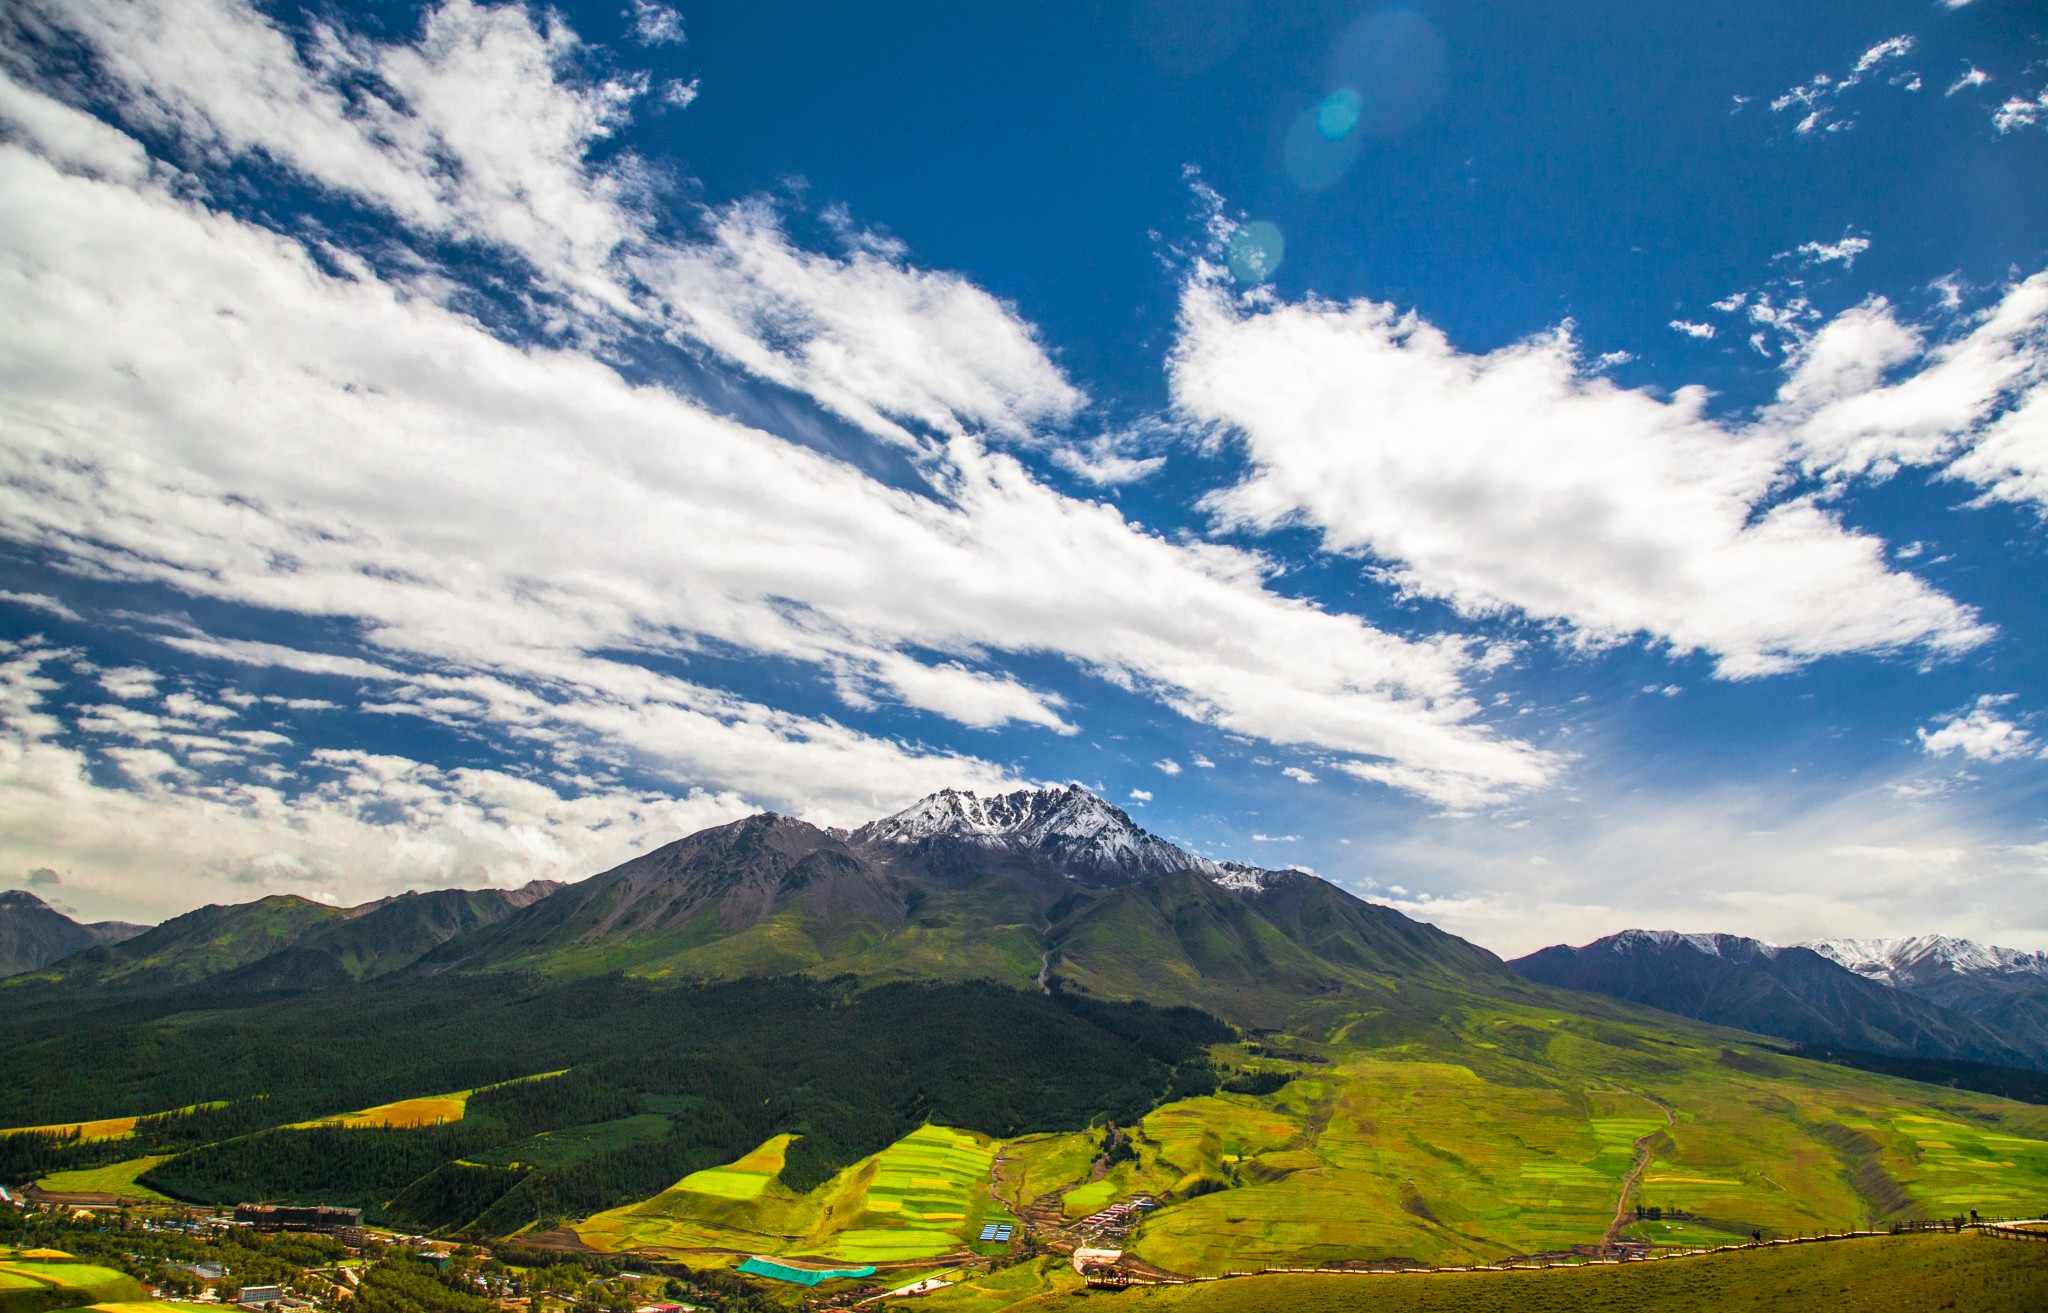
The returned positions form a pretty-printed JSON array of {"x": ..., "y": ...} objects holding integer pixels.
[
  {"x": 283, "y": 941},
  {"x": 206, "y": 942}
]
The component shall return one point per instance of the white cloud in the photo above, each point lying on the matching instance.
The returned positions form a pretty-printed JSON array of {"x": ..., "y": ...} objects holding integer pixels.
[
  {"x": 1690, "y": 329},
  {"x": 1980, "y": 734},
  {"x": 1300, "y": 776},
  {"x": 1851, "y": 412},
  {"x": 1975, "y": 77},
  {"x": 1102, "y": 466},
  {"x": 1169, "y": 765},
  {"x": 1201, "y": 762},
  {"x": 2019, "y": 112},
  {"x": 1140, "y": 795},
  {"x": 1843, "y": 252},
  {"x": 40, "y": 602},
  {"x": 130, "y": 682},
  {"x": 1513, "y": 481},
  {"x": 590, "y": 515},
  {"x": 1276, "y": 838},
  {"x": 678, "y": 94},
  {"x": 657, "y": 24}
]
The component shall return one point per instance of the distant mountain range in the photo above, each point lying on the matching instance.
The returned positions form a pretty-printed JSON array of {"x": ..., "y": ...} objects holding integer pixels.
[
  {"x": 1039, "y": 889},
  {"x": 34, "y": 934},
  {"x": 1925, "y": 997},
  {"x": 281, "y": 940}
]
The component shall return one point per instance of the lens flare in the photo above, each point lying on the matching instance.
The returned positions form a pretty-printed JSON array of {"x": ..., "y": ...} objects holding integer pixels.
[
  {"x": 1313, "y": 159},
  {"x": 1338, "y": 113},
  {"x": 1392, "y": 60},
  {"x": 1256, "y": 251}
]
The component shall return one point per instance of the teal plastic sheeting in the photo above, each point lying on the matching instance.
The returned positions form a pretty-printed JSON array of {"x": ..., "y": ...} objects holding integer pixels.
[{"x": 803, "y": 1276}]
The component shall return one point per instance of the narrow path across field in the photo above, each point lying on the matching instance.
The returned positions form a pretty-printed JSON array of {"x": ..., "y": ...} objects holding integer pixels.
[{"x": 1635, "y": 1174}]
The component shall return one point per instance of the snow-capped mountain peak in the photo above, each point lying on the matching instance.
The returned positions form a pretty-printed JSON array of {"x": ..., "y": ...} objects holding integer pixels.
[
  {"x": 1917, "y": 959},
  {"x": 1733, "y": 947},
  {"x": 1071, "y": 826}
]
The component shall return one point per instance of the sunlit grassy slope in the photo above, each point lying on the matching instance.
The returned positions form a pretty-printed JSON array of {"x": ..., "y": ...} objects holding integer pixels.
[
  {"x": 924, "y": 1195},
  {"x": 114, "y": 1178},
  {"x": 1909, "y": 1274},
  {"x": 38, "y": 1285},
  {"x": 1511, "y": 1132}
]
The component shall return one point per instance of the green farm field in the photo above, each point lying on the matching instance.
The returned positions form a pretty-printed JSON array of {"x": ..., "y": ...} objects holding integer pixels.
[{"x": 923, "y": 1196}]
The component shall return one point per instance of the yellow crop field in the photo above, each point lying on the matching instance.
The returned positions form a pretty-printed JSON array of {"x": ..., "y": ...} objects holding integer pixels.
[
  {"x": 104, "y": 1128},
  {"x": 404, "y": 1114}
]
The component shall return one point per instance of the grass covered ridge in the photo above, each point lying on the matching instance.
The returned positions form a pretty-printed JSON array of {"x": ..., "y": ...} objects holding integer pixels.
[{"x": 1904, "y": 1274}]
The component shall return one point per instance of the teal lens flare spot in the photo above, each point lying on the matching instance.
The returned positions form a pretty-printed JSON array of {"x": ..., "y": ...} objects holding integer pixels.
[
  {"x": 1256, "y": 252},
  {"x": 1338, "y": 113}
]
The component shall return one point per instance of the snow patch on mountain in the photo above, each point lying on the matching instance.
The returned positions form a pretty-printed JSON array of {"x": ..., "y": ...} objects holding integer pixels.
[{"x": 1071, "y": 826}]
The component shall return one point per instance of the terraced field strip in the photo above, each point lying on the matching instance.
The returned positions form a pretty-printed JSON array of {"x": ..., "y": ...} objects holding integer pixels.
[{"x": 924, "y": 1189}]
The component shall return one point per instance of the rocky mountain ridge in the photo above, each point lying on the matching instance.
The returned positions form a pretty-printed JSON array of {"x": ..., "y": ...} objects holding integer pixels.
[{"x": 1926, "y": 997}]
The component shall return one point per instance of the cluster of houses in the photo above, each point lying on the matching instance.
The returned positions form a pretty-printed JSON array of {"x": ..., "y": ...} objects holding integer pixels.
[{"x": 1117, "y": 1221}]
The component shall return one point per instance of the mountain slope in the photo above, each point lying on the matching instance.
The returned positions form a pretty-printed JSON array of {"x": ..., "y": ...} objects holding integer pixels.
[
  {"x": 1793, "y": 993},
  {"x": 34, "y": 935}
]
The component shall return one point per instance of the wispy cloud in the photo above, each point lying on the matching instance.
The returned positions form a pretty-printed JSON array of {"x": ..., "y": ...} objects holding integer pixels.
[
  {"x": 1817, "y": 99},
  {"x": 40, "y": 602}
]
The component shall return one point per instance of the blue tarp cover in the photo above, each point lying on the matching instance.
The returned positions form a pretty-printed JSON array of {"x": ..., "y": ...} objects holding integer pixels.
[{"x": 803, "y": 1276}]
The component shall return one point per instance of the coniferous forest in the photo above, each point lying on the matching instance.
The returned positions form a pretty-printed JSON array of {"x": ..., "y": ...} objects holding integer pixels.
[{"x": 677, "y": 1078}]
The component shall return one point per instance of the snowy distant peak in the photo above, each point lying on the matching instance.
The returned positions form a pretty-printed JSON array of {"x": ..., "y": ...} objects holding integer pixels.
[
  {"x": 1735, "y": 948},
  {"x": 1921, "y": 957},
  {"x": 1070, "y": 826}
]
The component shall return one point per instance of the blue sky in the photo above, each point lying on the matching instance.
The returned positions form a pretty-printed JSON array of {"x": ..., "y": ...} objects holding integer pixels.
[{"x": 1551, "y": 471}]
